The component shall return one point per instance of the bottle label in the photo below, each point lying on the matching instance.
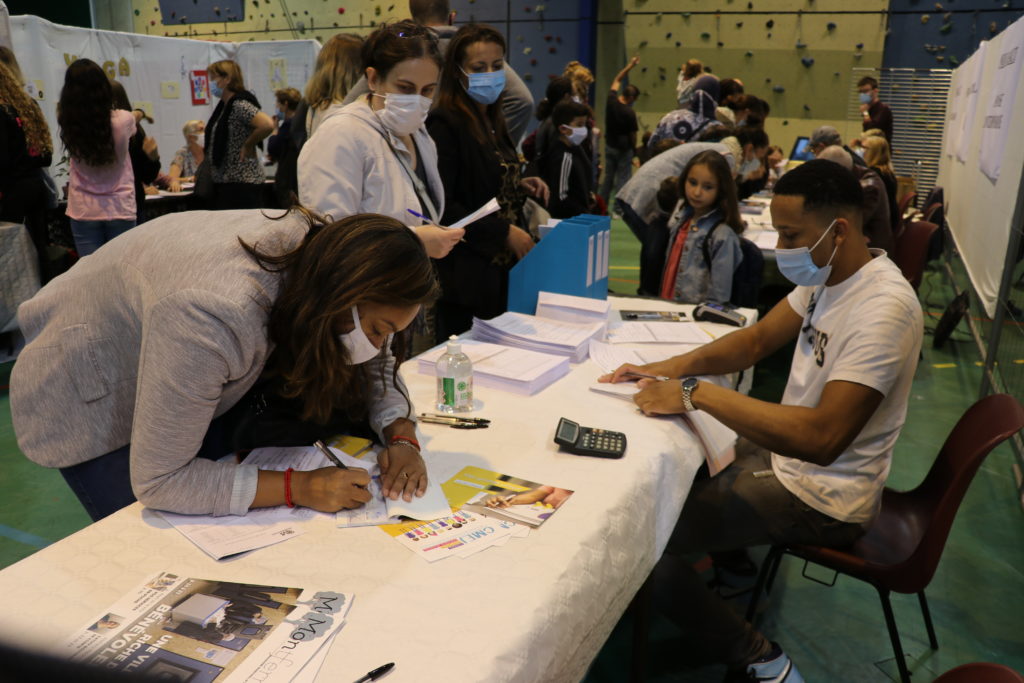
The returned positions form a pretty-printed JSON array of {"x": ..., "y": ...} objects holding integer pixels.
[
  {"x": 465, "y": 395},
  {"x": 448, "y": 390}
]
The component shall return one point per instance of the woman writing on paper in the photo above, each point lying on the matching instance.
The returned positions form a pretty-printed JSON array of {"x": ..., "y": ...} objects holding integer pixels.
[
  {"x": 374, "y": 154},
  {"x": 478, "y": 162},
  {"x": 201, "y": 334}
]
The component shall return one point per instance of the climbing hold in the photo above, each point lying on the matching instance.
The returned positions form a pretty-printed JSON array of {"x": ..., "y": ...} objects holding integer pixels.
[
  {"x": 800, "y": 44},
  {"x": 830, "y": 26},
  {"x": 860, "y": 46},
  {"x": 527, "y": 50},
  {"x": 705, "y": 36},
  {"x": 807, "y": 61},
  {"x": 686, "y": 15},
  {"x": 992, "y": 28},
  {"x": 785, "y": 122},
  {"x": 748, "y": 54},
  {"x": 136, "y": 12},
  {"x": 341, "y": 10},
  {"x": 770, "y": 23},
  {"x": 552, "y": 49},
  {"x": 769, "y": 34},
  {"x": 807, "y": 107},
  {"x": 778, "y": 88},
  {"x": 739, "y": 24},
  {"x": 925, "y": 18},
  {"x": 953, "y": 60},
  {"x": 947, "y": 16},
  {"x": 945, "y": 28},
  {"x": 938, "y": 7},
  {"x": 533, "y": 62},
  {"x": 679, "y": 43},
  {"x": 721, "y": 44},
  {"x": 668, "y": 35}
]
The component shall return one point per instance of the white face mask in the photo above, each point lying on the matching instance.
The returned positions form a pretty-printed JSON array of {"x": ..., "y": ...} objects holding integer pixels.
[
  {"x": 200, "y": 139},
  {"x": 577, "y": 135},
  {"x": 358, "y": 346},
  {"x": 403, "y": 114},
  {"x": 749, "y": 167}
]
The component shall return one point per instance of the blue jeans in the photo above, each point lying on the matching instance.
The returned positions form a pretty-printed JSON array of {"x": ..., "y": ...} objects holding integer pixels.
[
  {"x": 91, "y": 235},
  {"x": 103, "y": 485},
  {"x": 618, "y": 166}
]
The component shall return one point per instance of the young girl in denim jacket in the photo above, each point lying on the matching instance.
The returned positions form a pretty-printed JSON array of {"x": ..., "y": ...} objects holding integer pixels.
[{"x": 707, "y": 210}]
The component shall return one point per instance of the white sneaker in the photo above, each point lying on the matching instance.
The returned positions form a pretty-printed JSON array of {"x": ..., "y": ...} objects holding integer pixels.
[{"x": 775, "y": 667}]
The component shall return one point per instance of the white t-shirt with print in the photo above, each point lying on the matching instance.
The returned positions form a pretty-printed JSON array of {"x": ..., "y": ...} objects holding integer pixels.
[{"x": 867, "y": 329}]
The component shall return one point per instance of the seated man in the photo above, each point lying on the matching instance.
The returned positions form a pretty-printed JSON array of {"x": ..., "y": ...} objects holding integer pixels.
[{"x": 810, "y": 469}]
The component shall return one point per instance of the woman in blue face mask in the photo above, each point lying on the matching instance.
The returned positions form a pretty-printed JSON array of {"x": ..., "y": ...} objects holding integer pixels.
[
  {"x": 478, "y": 161},
  {"x": 234, "y": 130}
]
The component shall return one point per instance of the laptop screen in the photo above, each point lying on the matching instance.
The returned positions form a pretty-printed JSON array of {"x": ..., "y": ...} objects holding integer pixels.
[{"x": 801, "y": 149}]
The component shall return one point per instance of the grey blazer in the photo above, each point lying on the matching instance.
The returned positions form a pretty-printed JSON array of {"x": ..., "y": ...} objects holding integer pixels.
[{"x": 145, "y": 342}]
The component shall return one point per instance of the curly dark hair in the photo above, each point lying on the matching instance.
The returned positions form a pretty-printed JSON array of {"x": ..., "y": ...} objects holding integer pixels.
[{"x": 83, "y": 114}]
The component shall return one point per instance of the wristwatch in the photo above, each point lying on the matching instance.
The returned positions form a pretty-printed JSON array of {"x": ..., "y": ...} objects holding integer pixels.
[{"x": 689, "y": 385}]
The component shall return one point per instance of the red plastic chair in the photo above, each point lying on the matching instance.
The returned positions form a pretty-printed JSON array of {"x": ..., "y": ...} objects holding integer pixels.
[
  {"x": 980, "y": 672},
  {"x": 911, "y": 251},
  {"x": 901, "y": 550}
]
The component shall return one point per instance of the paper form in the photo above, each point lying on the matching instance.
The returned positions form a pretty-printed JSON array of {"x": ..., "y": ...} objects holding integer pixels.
[
  {"x": 220, "y": 537},
  {"x": 609, "y": 358},
  {"x": 485, "y": 210},
  {"x": 624, "y": 390},
  {"x": 657, "y": 332}
]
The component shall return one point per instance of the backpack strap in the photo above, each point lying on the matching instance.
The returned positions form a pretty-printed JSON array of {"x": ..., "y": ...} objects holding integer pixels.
[{"x": 705, "y": 246}]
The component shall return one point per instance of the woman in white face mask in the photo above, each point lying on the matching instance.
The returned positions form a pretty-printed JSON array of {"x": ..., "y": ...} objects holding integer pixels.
[
  {"x": 374, "y": 155},
  {"x": 188, "y": 158},
  {"x": 244, "y": 331}
]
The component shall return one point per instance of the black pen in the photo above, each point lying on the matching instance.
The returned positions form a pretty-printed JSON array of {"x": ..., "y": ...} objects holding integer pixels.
[
  {"x": 330, "y": 456},
  {"x": 460, "y": 418},
  {"x": 377, "y": 673}
]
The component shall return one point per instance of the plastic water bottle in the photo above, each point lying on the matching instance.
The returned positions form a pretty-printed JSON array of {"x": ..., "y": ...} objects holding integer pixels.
[{"x": 454, "y": 379}]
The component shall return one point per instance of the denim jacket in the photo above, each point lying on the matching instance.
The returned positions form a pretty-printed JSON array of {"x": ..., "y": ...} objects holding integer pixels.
[{"x": 694, "y": 283}]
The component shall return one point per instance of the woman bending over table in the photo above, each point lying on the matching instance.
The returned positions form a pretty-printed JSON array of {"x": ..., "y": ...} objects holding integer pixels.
[{"x": 203, "y": 334}]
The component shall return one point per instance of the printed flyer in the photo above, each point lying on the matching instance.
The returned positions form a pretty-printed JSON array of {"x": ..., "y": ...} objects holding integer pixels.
[{"x": 197, "y": 630}]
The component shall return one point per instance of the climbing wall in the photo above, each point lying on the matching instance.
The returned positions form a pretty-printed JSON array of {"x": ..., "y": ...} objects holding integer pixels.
[
  {"x": 930, "y": 35},
  {"x": 795, "y": 54},
  {"x": 542, "y": 37}
]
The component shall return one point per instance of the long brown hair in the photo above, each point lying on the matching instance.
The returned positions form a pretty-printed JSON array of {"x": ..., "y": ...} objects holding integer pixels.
[
  {"x": 452, "y": 95},
  {"x": 37, "y": 133},
  {"x": 337, "y": 70},
  {"x": 83, "y": 113},
  {"x": 366, "y": 258},
  {"x": 726, "y": 201}
]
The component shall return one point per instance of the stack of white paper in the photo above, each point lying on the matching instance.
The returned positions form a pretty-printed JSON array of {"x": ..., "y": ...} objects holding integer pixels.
[
  {"x": 518, "y": 371},
  {"x": 538, "y": 334},
  {"x": 573, "y": 309},
  {"x": 658, "y": 332}
]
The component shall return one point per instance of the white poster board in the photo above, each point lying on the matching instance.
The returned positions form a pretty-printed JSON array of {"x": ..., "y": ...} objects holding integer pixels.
[
  {"x": 979, "y": 209},
  {"x": 155, "y": 72}
]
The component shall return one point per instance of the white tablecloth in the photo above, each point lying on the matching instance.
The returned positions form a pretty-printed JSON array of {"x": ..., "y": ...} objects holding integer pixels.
[
  {"x": 19, "y": 272},
  {"x": 536, "y": 609}
]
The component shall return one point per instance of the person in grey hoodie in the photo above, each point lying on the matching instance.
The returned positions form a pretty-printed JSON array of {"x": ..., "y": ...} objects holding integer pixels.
[{"x": 374, "y": 154}]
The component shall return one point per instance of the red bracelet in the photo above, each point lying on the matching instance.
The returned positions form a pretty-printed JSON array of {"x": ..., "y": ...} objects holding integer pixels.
[
  {"x": 406, "y": 440},
  {"x": 288, "y": 487}
]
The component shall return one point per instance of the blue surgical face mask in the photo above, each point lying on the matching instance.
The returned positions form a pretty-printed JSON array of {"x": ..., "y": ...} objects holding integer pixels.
[
  {"x": 215, "y": 89},
  {"x": 798, "y": 266},
  {"x": 865, "y": 98},
  {"x": 485, "y": 88}
]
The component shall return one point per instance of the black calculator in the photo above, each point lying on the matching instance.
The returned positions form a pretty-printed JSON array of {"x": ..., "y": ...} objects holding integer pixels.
[{"x": 589, "y": 441}]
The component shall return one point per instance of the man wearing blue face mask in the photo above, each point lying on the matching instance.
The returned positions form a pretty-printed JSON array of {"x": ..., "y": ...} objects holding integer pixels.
[
  {"x": 876, "y": 114},
  {"x": 808, "y": 470},
  {"x": 564, "y": 166}
]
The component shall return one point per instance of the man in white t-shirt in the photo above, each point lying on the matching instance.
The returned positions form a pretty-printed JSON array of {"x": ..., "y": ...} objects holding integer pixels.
[{"x": 809, "y": 470}]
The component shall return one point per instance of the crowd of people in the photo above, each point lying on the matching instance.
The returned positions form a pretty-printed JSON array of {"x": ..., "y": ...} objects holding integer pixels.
[{"x": 218, "y": 333}]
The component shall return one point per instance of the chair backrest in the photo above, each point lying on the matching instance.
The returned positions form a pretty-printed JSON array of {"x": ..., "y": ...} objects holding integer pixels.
[
  {"x": 980, "y": 672},
  {"x": 904, "y": 204},
  {"x": 933, "y": 213},
  {"x": 985, "y": 425},
  {"x": 912, "y": 250}
]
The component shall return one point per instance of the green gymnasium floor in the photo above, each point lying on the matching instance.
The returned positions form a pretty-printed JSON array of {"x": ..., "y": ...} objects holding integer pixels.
[{"x": 833, "y": 634}]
